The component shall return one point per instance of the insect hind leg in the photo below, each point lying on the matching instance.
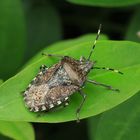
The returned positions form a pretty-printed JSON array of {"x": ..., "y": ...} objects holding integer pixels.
[
  {"x": 104, "y": 85},
  {"x": 80, "y": 107}
]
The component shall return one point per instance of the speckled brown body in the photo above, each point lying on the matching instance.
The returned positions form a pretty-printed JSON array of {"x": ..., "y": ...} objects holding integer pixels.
[{"x": 53, "y": 86}]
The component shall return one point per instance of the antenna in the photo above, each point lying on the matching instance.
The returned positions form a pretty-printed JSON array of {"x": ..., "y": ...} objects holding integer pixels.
[{"x": 98, "y": 34}]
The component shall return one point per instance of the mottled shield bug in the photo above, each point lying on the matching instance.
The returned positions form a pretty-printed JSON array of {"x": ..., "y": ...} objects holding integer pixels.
[{"x": 53, "y": 86}]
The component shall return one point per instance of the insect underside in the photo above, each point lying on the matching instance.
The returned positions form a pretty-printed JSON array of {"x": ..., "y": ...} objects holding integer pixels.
[{"x": 53, "y": 86}]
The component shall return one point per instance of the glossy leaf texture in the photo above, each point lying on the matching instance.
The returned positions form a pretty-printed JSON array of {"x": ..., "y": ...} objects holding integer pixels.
[
  {"x": 12, "y": 37},
  {"x": 122, "y": 122},
  {"x": 17, "y": 130},
  {"x": 105, "y": 3},
  {"x": 123, "y": 55}
]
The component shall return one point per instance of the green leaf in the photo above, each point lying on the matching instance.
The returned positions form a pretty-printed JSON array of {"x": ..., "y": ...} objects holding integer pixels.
[
  {"x": 12, "y": 37},
  {"x": 122, "y": 122},
  {"x": 117, "y": 54},
  {"x": 17, "y": 130},
  {"x": 134, "y": 27},
  {"x": 43, "y": 24},
  {"x": 105, "y": 3}
]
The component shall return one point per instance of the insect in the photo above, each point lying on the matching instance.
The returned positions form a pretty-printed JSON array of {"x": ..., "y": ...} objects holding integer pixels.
[{"x": 53, "y": 86}]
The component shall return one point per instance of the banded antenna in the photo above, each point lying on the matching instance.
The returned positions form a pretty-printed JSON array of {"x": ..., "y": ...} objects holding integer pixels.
[{"x": 98, "y": 34}]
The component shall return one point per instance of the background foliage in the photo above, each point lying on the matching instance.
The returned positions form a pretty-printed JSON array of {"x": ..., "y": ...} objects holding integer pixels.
[{"x": 29, "y": 27}]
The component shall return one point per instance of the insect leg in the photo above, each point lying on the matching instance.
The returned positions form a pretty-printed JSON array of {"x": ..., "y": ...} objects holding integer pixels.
[
  {"x": 40, "y": 114},
  {"x": 43, "y": 67},
  {"x": 52, "y": 55},
  {"x": 110, "y": 69},
  {"x": 66, "y": 103},
  {"x": 104, "y": 85},
  {"x": 79, "y": 108}
]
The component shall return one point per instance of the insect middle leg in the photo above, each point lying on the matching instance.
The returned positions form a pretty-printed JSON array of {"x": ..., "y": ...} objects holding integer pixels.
[
  {"x": 104, "y": 85},
  {"x": 80, "y": 107},
  {"x": 53, "y": 55}
]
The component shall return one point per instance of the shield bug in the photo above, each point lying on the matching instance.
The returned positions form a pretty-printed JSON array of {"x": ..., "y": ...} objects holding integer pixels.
[{"x": 53, "y": 86}]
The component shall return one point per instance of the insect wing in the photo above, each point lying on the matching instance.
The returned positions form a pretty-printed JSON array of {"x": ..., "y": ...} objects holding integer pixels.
[
  {"x": 35, "y": 94},
  {"x": 49, "y": 88}
]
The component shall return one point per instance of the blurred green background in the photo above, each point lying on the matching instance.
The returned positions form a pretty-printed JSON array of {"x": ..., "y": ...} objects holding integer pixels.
[{"x": 28, "y": 26}]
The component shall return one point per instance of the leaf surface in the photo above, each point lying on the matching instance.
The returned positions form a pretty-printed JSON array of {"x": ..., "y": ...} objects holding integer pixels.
[{"x": 123, "y": 55}]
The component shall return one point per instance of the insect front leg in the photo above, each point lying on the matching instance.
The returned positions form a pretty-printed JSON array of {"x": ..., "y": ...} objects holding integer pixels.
[
  {"x": 53, "y": 55},
  {"x": 104, "y": 85},
  {"x": 43, "y": 67},
  {"x": 80, "y": 107}
]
